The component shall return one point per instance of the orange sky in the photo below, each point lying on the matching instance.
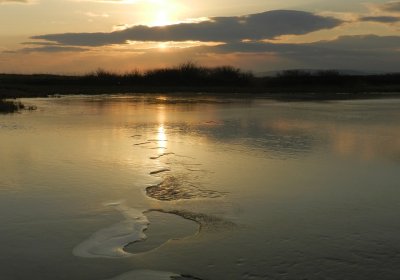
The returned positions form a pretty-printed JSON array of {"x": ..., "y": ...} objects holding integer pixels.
[{"x": 77, "y": 36}]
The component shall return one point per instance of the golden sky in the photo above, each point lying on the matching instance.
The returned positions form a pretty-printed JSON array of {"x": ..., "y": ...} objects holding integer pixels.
[{"x": 77, "y": 36}]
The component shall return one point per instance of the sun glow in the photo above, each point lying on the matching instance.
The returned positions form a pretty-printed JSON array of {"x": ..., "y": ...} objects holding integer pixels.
[
  {"x": 163, "y": 12},
  {"x": 162, "y": 46},
  {"x": 162, "y": 18}
]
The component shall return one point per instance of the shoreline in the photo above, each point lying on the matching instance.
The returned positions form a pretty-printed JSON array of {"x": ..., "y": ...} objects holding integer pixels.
[
  {"x": 190, "y": 79},
  {"x": 282, "y": 94}
]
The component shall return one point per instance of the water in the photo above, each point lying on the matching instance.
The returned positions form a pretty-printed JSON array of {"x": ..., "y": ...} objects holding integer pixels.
[{"x": 167, "y": 188}]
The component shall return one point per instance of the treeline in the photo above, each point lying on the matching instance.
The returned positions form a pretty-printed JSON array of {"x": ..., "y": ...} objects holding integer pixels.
[
  {"x": 187, "y": 74},
  {"x": 189, "y": 77},
  {"x": 331, "y": 78}
]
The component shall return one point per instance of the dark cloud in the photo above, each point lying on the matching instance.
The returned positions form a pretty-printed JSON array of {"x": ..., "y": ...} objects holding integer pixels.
[
  {"x": 362, "y": 53},
  {"x": 49, "y": 49},
  {"x": 226, "y": 29},
  {"x": 391, "y": 6},
  {"x": 46, "y": 47},
  {"x": 362, "y": 42},
  {"x": 382, "y": 19},
  {"x": 40, "y": 43},
  {"x": 351, "y": 52},
  {"x": 343, "y": 44}
]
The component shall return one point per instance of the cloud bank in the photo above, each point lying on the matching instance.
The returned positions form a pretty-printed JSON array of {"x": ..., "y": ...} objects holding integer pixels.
[
  {"x": 381, "y": 19},
  {"x": 344, "y": 45},
  {"x": 361, "y": 52},
  {"x": 391, "y": 6},
  {"x": 260, "y": 26}
]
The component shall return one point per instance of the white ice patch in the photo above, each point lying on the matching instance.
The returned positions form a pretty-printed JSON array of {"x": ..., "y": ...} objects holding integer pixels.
[
  {"x": 146, "y": 275},
  {"x": 110, "y": 242}
]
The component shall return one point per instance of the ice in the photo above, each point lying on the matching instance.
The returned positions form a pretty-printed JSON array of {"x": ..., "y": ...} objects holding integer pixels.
[
  {"x": 161, "y": 155},
  {"x": 152, "y": 275},
  {"x": 159, "y": 171},
  {"x": 175, "y": 188},
  {"x": 110, "y": 242},
  {"x": 206, "y": 222},
  {"x": 142, "y": 143},
  {"x": 146, "y": 275}
]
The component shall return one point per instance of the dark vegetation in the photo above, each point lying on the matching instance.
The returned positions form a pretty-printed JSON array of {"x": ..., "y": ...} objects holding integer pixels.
[
  {"x": 7, "y": 106},
  {"x": 190, "y": 78}
]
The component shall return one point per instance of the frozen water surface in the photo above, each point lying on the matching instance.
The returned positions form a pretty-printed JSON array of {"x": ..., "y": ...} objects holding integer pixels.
[
  {"x": 114, "y": 187},
  {"x": 110, "y": 242}
]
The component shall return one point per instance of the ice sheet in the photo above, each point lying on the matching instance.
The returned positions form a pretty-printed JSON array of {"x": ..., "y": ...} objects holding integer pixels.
[{"x": 110, "y": 242}]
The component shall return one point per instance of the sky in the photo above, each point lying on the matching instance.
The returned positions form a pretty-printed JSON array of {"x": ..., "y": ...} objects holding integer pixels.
[{"x": 80, "y": 36}]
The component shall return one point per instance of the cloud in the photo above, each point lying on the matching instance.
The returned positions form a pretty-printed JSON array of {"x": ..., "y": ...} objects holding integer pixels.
[
  {"x": 362, "y": 53},
  {"x": 111, "y": 1},
  {"x": 40, "y": 43},
  {"x": 387, "y": 13},
  {"x": 391, "y": 6},
  {"x": 363, "y": 42},
  {"x": 356, "y": 46},
  {"x": 91, "y": 14},
  {"x": 382, "y": 19},
  {"x": 343, "y": 45},
  {"x": 15, "y": 1},
  {"x": 48, "y": 49},
  {"x": 227, "y": 29},
  {"x": 350, "y": 52}
]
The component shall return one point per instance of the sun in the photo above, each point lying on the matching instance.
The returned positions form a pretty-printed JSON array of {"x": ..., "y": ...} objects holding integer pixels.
[
  {"x": 162, "y": 45},
  {"x": 163, "y": 12},
  {"x": 162, "y": 18}
]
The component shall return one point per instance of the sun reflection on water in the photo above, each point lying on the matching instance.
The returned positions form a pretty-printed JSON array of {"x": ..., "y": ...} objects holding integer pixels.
[
  {"x": 161, "y": 139},
  {"x": 161, "y": 133}
]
